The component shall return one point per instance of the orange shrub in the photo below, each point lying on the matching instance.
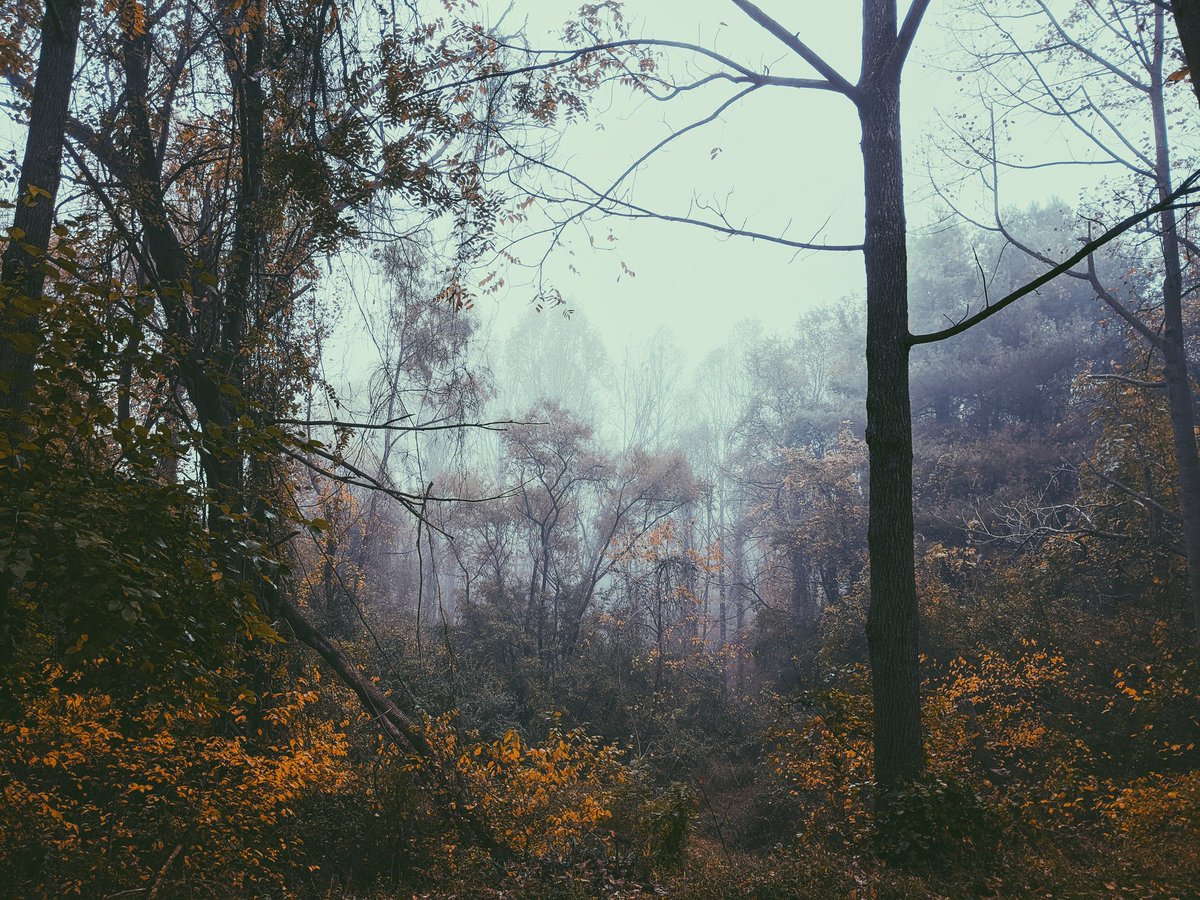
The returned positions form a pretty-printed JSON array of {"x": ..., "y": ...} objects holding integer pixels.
[{"x": 101, "y": 794}]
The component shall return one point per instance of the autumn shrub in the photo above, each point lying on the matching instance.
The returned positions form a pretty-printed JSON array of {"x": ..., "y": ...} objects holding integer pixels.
[
  {"x": 937, "y": 823},
  {"x": 819, "y": 789},
  {"x": 661, "y": 826},
  {"x": 160, "y": 793},
  {"x": 568, "y": 803},
  {"x": 818, "y": 766},
  {"x": 811, "y": 872},
  {"x": 1025, "y": 756}
]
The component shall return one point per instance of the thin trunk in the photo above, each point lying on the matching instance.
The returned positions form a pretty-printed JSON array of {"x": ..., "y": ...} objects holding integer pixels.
[
  {"x": 543, "y": 590},
  {"x": 739, "y": 604},
  {"x": 691, "y": 630},
  {"x": 1174, "y": 349},
  {"x": 802, "y": 605},
  {"x": 829, "y": 582},
  {"x": 721, "y": 592},
  {"x": 246, "y": 76},
  {"x": 707, "y": 569},
  {"x": 892, "y": 617},
  {"x": 222, "y": 465},
  {"x": 22, "y": 277},
  {"x": 660, "y": 632}
]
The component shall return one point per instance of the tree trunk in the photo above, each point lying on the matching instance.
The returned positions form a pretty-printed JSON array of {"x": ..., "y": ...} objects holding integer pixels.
[
  {"x": 22, "y": 277},
  {"x": 739, "y": 604},
  {"x": 802, "y": 605},
  {"x": 1174, "y": 348},
  {"x": 892, "y": 617},
  {"x": 37, "y": 191},
  {"x": 1187, "y": 21},
  {"x": 222, "y": 463}
]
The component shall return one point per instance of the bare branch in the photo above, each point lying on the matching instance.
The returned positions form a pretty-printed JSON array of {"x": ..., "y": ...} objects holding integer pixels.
[
  {"x": 836, "y": 81},
  {"x": 625, "y": 209},
  {"x": 1125, "y": 379},
  {"x": 1091, "y": 54},
  {"x": 908, "y": 33},
  {"x": 1189, "y": 186}
]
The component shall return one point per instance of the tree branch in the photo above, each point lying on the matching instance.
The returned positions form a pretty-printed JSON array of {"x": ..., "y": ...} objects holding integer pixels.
[
  {"x": 1187, "y": 187},
  {"x": 908, "y": 33},
  {"x": 836, "y": 81}
]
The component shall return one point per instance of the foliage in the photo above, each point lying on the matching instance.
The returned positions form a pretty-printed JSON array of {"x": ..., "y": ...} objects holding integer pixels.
[
  {"x": 103, "y": 794},
  {"x": 99, "y": 530},
  {"x": 568, "y": 806}
]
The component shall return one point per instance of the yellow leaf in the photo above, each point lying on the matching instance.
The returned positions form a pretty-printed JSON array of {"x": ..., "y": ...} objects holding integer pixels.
[{"x": 78, "y": 645}]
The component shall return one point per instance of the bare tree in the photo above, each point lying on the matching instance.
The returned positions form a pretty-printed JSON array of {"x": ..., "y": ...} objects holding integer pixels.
[
  {"x": 647, "y": 389},
  {"x": 1105, "y": 72}
]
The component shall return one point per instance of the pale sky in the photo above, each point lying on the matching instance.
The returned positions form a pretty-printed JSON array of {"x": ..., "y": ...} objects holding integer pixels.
[{"x": 788, "y": 159}]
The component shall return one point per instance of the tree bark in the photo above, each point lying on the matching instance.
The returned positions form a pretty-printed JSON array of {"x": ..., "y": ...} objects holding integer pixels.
[
  {"x": 22, "y": 274},
  {"x": 41, "y": 169},
  {"x": 1187, "y": 21},
  {"x": 892, "y": 617},
  {"x": 1173, "y": 345}
]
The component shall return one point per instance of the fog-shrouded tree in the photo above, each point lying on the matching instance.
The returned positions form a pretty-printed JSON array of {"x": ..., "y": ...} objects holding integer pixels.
[
  {"x": 550, "y": 356},
  {"x": 648, "y": 393},
  {"x": 1107, "y": 75}
]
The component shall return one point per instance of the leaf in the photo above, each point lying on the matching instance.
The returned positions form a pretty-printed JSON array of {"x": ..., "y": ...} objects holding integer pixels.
[{"x": 78, "y": 645}]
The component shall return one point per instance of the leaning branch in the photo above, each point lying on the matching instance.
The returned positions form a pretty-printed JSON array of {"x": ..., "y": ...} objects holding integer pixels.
[
  {"x": 401, "y": 730},
  {"x": 744, "y": 74},
  {"x": 626, "y": 209},
  {"x": 1189, "y": 186}
]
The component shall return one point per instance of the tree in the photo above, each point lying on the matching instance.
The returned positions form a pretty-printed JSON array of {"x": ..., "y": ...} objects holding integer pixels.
[
  {"x": 23, "y": 267},
  {"x": 1125, "y": 46},
  {"x": 887, "y": 39},
  {"x": 220, "y": 151},
  {"x": 583, "y": 509},
  {"x": 647, "y": 392},
  {"x": 25, "y": 258},
  {"x": 556, "y": 358},
  {"x": 1187, "y": 23}
]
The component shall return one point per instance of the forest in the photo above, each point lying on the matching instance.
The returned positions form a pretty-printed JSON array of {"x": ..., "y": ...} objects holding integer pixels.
[{"x": 345, "y": 552}]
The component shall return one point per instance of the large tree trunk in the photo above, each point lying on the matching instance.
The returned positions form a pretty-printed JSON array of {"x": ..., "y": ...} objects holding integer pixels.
[
  {"x": 37, "y": 191},
  {"x": 1187, "y": 21},
  {"x": 892, "y": 618},
  {"x": 1173, "y": 346},
  {"x": 23, "y": 277}
]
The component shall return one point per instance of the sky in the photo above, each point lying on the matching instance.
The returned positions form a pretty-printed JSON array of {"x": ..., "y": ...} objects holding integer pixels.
[{"x": 779, "y": 161}]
